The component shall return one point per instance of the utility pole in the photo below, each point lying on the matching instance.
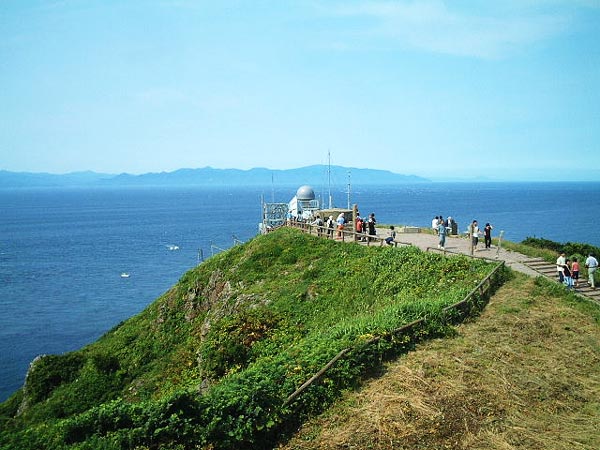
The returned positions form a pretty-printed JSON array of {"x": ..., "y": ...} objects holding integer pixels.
[
  {"x": 329, "y": 177},
  {"x": 471, "y": 232},
  {"x": 499, "y": 244},
  {"x": 348, "y": 189}
]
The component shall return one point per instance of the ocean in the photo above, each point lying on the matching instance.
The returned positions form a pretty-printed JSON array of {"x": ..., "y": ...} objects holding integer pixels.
[{"x": 62, "y": 251}]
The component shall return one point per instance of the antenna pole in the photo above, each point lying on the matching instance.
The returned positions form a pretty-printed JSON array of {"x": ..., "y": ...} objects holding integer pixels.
[
  {"x": 329, "y": 177},
  {"x": 348, "y": 189}
]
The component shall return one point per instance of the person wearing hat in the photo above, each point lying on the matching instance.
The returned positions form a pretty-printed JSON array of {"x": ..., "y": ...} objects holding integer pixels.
[
  {"x": 341, "y": 221},
  {"x": 560, "y": 266}
]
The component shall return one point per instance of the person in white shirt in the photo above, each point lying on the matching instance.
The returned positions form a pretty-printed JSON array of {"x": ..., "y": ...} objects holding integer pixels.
[
  {"x": 474, "y": 233},
  {"x": 592, "y": 265},
  {"x": 434, "y": 224},
  {"x": 560, "y": 266}
]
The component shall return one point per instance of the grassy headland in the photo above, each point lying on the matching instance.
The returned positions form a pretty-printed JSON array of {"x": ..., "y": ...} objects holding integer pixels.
[{"x": 211, "y": 363}]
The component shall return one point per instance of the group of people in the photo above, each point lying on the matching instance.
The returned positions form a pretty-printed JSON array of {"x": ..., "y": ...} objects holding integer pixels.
[
  {"x": 366, "y": 226},
  {"x": 329, "y": 225},
  {"x": 568, "y": 270},
  {"x": 442, "y": 227},
  {"x": 363, "y": 226},
  {"x": 475, "y": 234},
  {"x": 438, "y": 221}
]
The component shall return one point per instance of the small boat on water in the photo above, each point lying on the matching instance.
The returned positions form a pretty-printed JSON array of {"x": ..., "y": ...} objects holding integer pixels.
[
  {"x": 173, "y": 247},
  {"x": 124, "y": 275}
]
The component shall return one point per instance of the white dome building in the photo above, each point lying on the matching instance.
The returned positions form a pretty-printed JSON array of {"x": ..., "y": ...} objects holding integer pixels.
[
  {"x": 304, "y": 204},
  {"x": 305, "y": 193}
]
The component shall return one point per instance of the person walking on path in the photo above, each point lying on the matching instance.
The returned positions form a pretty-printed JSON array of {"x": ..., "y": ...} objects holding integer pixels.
[
  {"x": 487, "y": 235},
  {"x": 474, "y": 234},
  {"x": 442, "y": 233},
  {"x": 592, "y": 265},
  {"x": 567, "y": 275},
  {"x": 575, "y": 271},
  {"x": 560, "y": 266}
]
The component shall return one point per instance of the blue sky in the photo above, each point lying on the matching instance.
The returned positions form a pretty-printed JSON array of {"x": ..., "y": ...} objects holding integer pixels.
[{"x": 442, "y": 89}]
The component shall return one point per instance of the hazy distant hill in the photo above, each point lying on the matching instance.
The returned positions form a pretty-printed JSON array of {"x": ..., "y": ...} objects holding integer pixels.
[
  {"x": 260, "y": 176},
  {"x": 207, "y": 176},
  {"x": 27, "y": 179}
]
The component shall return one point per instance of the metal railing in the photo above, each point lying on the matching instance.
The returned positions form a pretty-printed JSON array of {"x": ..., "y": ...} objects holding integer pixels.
[{"x": 343, "y": 235}]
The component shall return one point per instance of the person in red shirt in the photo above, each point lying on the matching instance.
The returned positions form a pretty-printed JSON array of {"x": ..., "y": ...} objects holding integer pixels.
[{"x": 575, "y": 271}]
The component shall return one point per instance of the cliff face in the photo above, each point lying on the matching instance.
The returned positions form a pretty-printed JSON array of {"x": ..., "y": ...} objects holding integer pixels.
[{"x": 214, "y": 358}]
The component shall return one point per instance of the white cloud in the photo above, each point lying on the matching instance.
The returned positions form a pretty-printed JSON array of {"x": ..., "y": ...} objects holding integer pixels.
[{"x": 439, "y": 26}]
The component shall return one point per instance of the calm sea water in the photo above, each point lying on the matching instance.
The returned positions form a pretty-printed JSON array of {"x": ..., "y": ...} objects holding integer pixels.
[{"x": 62, "y": 251}]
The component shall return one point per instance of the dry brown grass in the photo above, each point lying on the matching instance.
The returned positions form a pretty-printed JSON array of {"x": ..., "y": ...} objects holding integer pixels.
[{"x": 524, "y": 375}]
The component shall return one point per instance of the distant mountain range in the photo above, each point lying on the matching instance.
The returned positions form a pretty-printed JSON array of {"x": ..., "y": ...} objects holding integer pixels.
[{"x": 208, "y": 176}]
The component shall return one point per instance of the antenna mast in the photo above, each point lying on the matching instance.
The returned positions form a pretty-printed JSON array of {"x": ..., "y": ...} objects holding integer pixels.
[
  {"x": 329, "y": 177},
  {"x": 348, "y": 189}
]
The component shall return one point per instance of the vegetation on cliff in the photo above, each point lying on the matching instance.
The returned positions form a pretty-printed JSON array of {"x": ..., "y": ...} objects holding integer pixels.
[
  {"x": 524, "y": 375},
  {"x": 211, "y": 363}
]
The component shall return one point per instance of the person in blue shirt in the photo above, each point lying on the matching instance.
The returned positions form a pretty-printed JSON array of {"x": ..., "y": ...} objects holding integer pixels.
[{"x": 441, "y": 230}]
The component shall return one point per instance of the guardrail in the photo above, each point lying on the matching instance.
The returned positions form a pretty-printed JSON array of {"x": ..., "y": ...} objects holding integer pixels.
[{"x": 343, "y": 235}]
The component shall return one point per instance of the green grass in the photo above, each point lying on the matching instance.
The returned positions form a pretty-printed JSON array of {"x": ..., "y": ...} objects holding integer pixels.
[{"x": 531, "y": 251}]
